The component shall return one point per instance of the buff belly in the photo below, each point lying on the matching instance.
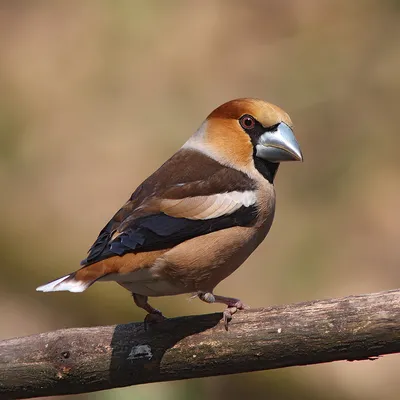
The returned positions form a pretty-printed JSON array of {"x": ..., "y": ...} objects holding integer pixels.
[{"x": 195, "y": 265}]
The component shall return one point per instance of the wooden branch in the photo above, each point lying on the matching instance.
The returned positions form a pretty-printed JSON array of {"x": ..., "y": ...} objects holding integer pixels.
[{"x": 89, "y": 359}]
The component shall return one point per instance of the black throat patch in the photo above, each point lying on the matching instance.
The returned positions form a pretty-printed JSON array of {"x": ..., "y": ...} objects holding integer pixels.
[{"x": 267, "y": 169}]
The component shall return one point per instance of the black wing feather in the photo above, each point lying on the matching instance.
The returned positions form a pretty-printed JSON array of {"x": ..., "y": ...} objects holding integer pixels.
[{"x": 161, "y": 231}]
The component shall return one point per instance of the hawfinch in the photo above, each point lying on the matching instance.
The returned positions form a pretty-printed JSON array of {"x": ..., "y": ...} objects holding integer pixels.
[{"x": 197, "y": 218}]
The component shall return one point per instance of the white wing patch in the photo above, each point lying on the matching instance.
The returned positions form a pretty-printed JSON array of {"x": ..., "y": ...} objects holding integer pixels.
[{"x": 208, "y": 207}]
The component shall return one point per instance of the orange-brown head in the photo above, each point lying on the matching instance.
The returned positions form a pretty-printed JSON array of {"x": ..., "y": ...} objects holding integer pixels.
[{"x": 247, "y": 133}]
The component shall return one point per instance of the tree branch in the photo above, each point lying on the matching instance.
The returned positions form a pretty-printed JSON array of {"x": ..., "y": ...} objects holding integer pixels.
[{"x": 89, "y": 359}]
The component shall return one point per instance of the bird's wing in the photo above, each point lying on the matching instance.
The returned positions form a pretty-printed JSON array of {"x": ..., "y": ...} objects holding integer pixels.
[{"x": 190, "y": 195}]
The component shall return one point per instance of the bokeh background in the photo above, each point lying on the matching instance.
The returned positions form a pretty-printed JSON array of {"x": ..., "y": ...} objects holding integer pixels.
[{"x": 95, "y": 95}]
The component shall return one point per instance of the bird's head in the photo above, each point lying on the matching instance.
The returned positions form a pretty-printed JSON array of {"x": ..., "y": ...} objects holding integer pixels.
[{"x": 247, "y": 133}]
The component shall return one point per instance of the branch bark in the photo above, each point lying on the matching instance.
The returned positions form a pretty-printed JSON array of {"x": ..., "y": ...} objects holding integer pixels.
[{"x": 89, "y": 359}]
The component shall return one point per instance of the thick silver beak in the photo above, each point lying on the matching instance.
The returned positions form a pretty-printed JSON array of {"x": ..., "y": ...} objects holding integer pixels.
[{"x": 279, "y": 145}]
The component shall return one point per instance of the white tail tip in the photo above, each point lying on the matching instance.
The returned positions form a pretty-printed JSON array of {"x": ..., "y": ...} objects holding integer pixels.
[{"x": 66, "y": 283}]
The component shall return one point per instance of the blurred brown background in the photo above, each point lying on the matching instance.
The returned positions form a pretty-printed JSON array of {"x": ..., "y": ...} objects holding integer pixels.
[{"x": 96, "y": 95}]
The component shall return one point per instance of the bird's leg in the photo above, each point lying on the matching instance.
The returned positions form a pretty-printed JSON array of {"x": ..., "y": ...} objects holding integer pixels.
[
  {"x": 153, "y": 315},
  {"x": 232, "y": 304}
]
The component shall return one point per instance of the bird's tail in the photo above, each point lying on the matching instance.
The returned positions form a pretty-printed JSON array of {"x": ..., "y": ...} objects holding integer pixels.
[
  {"x": 81, "y": 279},
  {"x": 67, "y": 283}
]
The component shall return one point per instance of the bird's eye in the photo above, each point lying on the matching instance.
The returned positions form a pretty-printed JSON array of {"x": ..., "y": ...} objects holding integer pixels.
[{"x": 247, "y": 122}]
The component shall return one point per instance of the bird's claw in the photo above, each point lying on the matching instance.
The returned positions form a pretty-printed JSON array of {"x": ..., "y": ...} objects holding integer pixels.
[
  {"x": 228, "y": 312},
  {"x": 231, "y": 309},
  {"x": 232, "y": 304},
  {"x": 241, "y": 306},
  {"x": 154, "y": 317}
]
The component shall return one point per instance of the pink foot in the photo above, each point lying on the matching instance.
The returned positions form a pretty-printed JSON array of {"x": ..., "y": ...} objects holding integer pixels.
[
  {"x": 232, "y": 309},
  {"x": 232, "y": 304}
]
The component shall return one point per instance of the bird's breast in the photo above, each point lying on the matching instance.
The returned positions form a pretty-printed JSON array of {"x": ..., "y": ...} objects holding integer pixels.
[{"x": 200, "y": 263}]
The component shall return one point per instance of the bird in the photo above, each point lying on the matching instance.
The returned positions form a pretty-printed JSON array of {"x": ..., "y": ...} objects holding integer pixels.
[{"x": 198, "y": 217}]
